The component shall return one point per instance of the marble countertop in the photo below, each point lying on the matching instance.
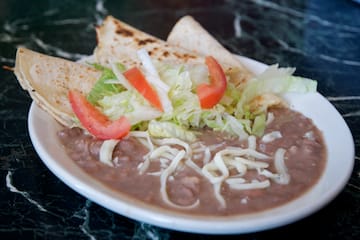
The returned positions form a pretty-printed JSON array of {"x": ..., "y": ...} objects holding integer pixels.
[{"x": 320, "y": 38}]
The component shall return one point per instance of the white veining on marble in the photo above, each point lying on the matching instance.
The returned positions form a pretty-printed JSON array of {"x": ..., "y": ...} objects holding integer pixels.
[
  {"x": 26, "y": 195},
  {"x": 287, "y": 47},
  {"x": 69, "y": 21},
  {"x": 85, "y": 216},
  {"x": 350, "y": 62},
  {"x": 15, "y": 26},
  {"x": 352, "y": 114},
  {"x": 358, "y": 175},
  {"x": 306, "y": 16},
  {"x": 279, "y": 8},
  {"x": 58, "y": 51},
  {"x": 343, "y": 98},
  {"x": 146, "y": 231},
  {"x": 237, "y": 25},
  {"x": 100, "y": 11},
  {"x": 8, "y": 60},
  {"x": 6, "y": 38},
  {"x": 337, "y": 60}
]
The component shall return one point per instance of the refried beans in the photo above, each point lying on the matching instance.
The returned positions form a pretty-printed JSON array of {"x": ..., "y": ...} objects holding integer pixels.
[{"x": 305, "y": 160}]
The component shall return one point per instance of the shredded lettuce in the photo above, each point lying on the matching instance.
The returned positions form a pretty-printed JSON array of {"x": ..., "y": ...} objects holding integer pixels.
[
  {"x": 273, "y": 80},
  {"x": 234, "y": 114},
  {"x": 259, "y": 125},
  {"x": 170, "y": 130},
  {"x": 102, "y": 88},
  {"x": 129, "y": 104},
  {"x": 269, "y": 86}
]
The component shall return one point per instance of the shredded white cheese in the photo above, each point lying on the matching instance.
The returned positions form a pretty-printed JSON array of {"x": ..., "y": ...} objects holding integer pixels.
[
  {"x": 106, "y": 151},
  {"x": 252, "y": 142},
  {"x": 120, "y": 77},
  {"x": 226, "y": 166},
  {"x": 251, "y": 185},
  {"x": 163, "y": 182},
  {"x": 270, "y": 117},
  {"x": 284, "y": 177},
  {"x": 309, "y": 135},
  {"x": 153, "y": 77},
  {"x": 269, "y": 137}
]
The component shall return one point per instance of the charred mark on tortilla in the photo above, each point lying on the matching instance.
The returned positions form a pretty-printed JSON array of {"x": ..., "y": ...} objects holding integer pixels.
[
  {"x": 184, "y": 56},
  {"x": 142, "y": 42},
  {"x": 123, "y": 31},
  {"x": 166, "y": 53}
]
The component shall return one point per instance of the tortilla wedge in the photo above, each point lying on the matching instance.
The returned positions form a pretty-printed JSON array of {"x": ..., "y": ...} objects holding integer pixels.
[
  {"x": 119, "y": 42},
  {"x": 189, "y": 34},
  {"x": 49, "y": 79}
]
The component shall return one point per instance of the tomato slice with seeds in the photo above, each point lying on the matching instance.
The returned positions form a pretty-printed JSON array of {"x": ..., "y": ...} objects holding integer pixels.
[
  {"x": 139, "y": 82},
  {"x": 210, "y": 94},
  {"x": 96, "y": 122}
]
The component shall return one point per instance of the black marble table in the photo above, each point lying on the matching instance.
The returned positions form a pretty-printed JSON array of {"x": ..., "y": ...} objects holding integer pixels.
[{"x": 321, "y": 38}]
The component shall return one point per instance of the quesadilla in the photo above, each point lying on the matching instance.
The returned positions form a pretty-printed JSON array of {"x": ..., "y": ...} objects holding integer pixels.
[
  {"x": 49, "y": 79},
  {"x": 189, "y": 34},
  {"x": 118, "y": 41}
]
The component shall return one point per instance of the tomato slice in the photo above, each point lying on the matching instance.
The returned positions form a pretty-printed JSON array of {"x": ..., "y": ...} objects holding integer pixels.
[
  {"x": 210, "y": 94},
  {"x": 96, "y": 122},
  {"x": 138, "y": 81}
]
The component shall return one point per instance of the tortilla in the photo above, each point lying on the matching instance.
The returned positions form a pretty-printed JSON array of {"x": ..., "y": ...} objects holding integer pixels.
[
  {"x": 119, "y": 42},
  {"x": 49, "y": 79},
  {"x": 188, "y": 33}
]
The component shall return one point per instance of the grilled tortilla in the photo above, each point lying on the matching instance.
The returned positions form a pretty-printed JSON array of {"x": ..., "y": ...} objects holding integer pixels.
[
  {"x": 188, "y": 33},
  {"x": 118, "y": 42},
  {"x": 49, "y": 79}
]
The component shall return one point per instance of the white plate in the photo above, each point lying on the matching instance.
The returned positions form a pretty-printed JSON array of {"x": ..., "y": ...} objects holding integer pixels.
[{"x": 337, "y": 136}]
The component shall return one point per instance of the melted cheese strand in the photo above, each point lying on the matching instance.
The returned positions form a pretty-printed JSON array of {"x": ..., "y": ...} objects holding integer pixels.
[
  {"x": 151, "y": 71},
  {"x": 153, "y": 77},
  {"x": 163, "y": 182},
  {"x": 251, "y": 164},
  {"x": 160, "y": 151},
  {"x": 174, "y": 141},
  {"x": 237, "y": 151},
  {"x": 235, "y": 180},
  {"x": 193, "y": 165},
  {"x": 143, "y": 134},
  {"x": 120, "y": 77},
  {"x": 106, "y": 151},
  {"x": 218, "y": 196},
  {"x": 252, "y": 142},
  {"x": 269, "y": 137},
  {"x": 252, "y": 185},
  {"x": 284, "y": 177},
  {"x": 270, "y": 118},
  {"x": 216, "y": 165},
  {"x": 207, "y": 156}
]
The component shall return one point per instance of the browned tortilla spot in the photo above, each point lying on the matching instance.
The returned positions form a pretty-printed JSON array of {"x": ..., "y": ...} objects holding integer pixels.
[
  {"x": 123, "y": 31},
  {"x": 142, "y": 42},
  {"x": 166, "y": 53},
  {"x": 184, "y": 56}
]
